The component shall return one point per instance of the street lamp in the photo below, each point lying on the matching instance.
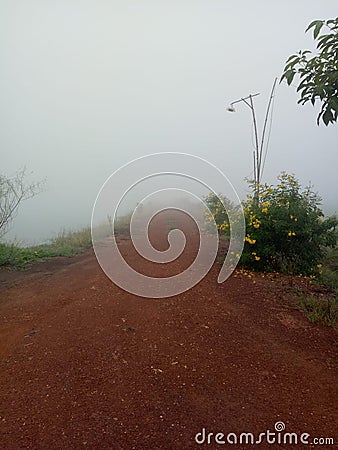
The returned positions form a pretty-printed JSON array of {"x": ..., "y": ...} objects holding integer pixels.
[{"x": 258, "y": 151}]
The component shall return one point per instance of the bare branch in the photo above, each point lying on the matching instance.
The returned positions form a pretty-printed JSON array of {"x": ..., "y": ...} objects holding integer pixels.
[{"x": 13, "y": 191}]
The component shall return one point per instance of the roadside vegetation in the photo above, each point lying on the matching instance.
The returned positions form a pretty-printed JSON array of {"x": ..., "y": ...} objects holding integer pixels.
[
  {"x": 322, "y": 307},
  {"x": 66, "y": 243},
  {"x": 287, "y": 232}
]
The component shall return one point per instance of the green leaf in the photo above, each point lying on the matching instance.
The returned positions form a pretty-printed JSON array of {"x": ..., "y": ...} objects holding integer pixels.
[
  {"x": 291, "y": 64},
  {"x": 303, "y": 84},
  {"x": 327, "y": 117},
  {"x": 289, "y": 75},
  {"x": 333, "y": 103},
  {"x": 324, "y": 40},
  {"x": 302, "y": 101},
  {"x": 314, "y": 24},
  {"x": 317, "y": 72},
  {"x": 317, "y": 29}
]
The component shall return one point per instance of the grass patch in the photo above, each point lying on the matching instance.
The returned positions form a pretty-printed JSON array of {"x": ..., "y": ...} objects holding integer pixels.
[
  {"x": 320, "y": 309},
  {"x": 329, "y": 274},
  {"x": 66, "y": 243},
  {"x": 77, "y": 240},
  {"x": 323, "y": 308},
  {"x": 122, "y": 225}
]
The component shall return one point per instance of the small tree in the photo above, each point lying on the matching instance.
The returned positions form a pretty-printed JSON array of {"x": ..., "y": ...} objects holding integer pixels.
[
  {"x": 319, "y": 73},
  {"x": 13, "y": 191}
]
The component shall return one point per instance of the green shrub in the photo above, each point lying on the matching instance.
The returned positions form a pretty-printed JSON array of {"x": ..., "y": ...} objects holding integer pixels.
[
  {"x": 215, "y": 205},
  {"x": 285, "y": 227},
  {"x": 8, "y": 254}
]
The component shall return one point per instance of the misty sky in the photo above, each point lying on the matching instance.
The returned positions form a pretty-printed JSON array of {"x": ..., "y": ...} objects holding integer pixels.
[{"x": 87, "y": 86}]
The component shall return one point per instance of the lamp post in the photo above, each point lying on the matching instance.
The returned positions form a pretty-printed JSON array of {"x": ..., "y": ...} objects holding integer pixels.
[{"x": 258, "y": 162}]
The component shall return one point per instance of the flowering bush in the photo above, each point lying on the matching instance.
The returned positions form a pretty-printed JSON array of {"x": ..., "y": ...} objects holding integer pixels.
[
  {"x": 285, "y": 228},
  {"x": 218, "y": 213}
]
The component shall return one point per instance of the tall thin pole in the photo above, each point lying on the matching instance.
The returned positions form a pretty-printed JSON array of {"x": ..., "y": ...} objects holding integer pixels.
[
  {"x": 258, "y": 162},
  {"x": 256, "y": 158},
  {"x": 266, "y": 122}
]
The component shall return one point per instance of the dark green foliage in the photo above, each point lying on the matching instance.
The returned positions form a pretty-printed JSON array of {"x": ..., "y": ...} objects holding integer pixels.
[
  {"x": 318, "y": 74},
  {"x": 286, "y": 229}
]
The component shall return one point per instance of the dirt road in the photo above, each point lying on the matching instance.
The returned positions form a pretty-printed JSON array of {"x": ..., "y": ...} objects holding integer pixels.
[{"x": 85, "y": 365}]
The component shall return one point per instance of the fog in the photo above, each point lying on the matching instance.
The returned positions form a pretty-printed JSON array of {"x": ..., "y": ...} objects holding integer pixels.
[{"x": 87, "y": 86}]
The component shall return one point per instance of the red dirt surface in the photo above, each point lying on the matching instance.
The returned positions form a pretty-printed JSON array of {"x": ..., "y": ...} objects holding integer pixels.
[{"x": 85, "y": 365}]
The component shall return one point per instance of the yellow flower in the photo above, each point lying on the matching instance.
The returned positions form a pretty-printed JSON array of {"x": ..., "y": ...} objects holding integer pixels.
[
  {"x": 319, "y": 266},
  {"x": 256, "y": 225},
  {"x": 251, "y": 241},
  {"x": 223, "y": 226},
  {"x": 291, "y": 233},
  {"x": 257, "y": 258},
  {"x": 264, "y": 210}
]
